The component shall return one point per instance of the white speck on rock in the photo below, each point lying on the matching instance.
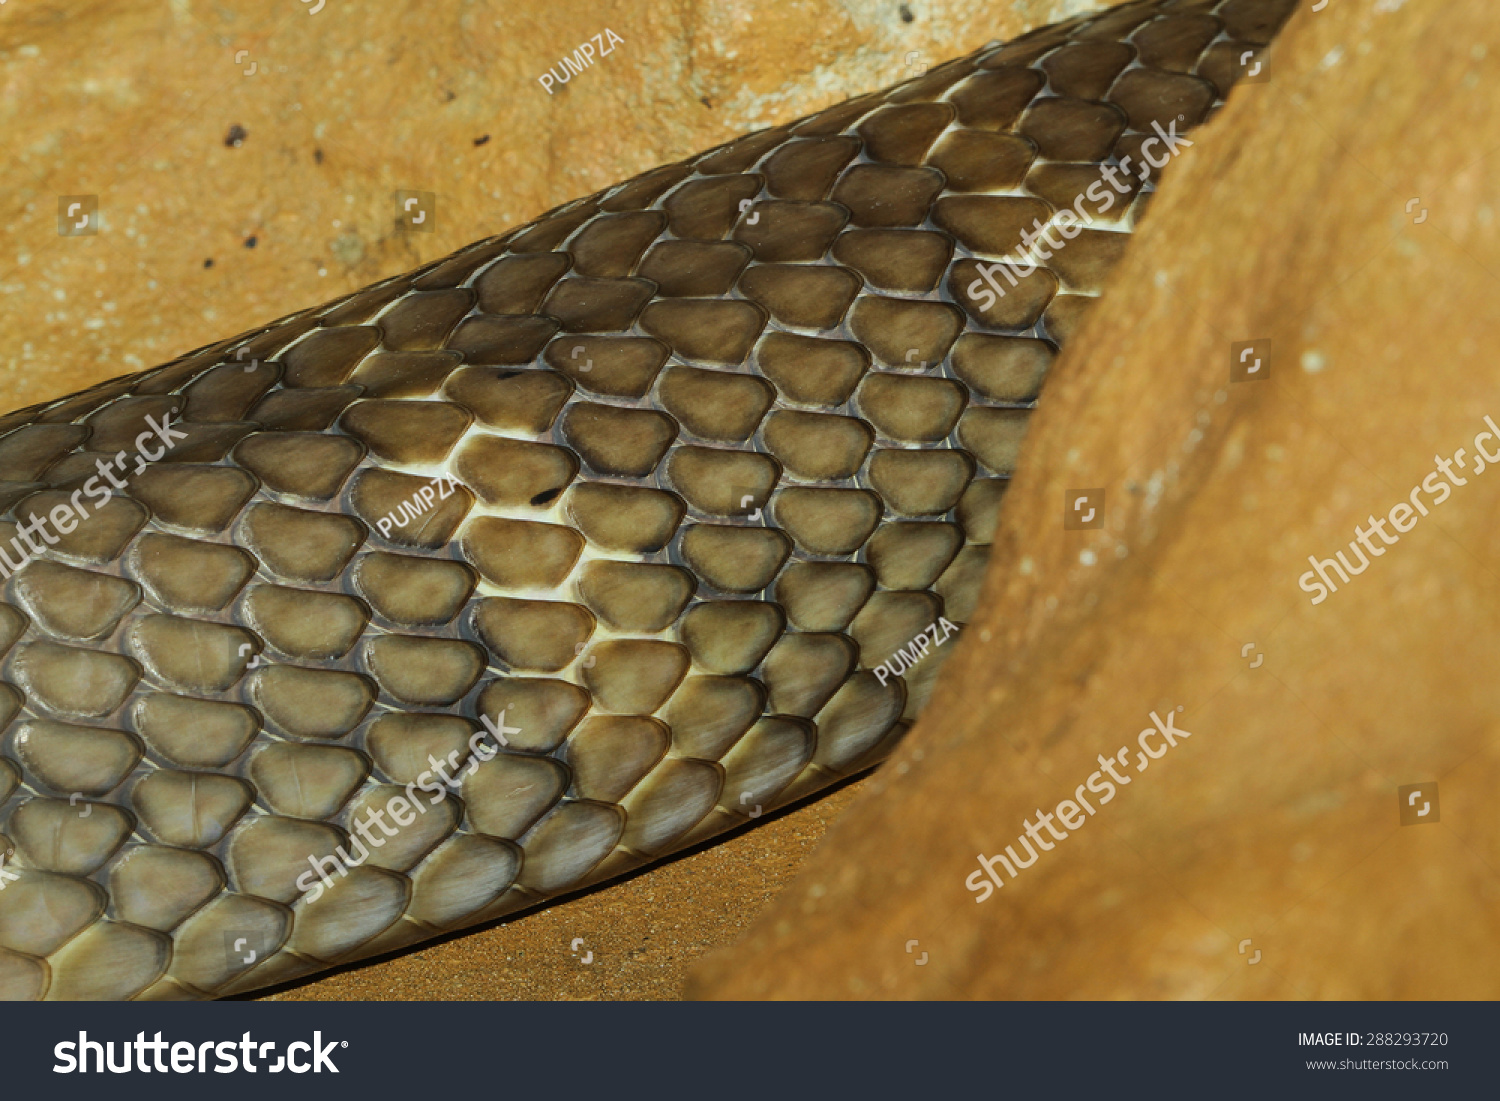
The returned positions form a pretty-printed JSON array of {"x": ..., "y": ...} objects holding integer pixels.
[{"x": 1154, "y": 489}]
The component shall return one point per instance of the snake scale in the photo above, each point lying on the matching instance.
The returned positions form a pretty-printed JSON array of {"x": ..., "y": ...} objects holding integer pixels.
[{"x": 593, "y": 540}]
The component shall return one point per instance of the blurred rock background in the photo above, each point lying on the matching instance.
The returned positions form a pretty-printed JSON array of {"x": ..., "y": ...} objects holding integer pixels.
[{"x": 245, "y": 156}]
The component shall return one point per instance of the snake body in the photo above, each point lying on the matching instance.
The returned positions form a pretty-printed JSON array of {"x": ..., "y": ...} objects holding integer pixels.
[{"x": 579, "y": 546}]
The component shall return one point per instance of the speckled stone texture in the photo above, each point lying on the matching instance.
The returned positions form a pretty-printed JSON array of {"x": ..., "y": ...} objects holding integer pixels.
[{"x": 531, "y": 485}]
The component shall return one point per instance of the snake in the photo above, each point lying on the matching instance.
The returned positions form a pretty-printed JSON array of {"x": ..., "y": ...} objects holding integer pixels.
[{"x": 585, "y": 544}]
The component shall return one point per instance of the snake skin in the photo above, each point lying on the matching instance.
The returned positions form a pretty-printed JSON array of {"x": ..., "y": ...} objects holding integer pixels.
[{"x": 709, "y": 447}]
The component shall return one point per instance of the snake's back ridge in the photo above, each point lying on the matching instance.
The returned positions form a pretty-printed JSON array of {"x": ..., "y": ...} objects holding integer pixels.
[{"x": 650, "y": 488}]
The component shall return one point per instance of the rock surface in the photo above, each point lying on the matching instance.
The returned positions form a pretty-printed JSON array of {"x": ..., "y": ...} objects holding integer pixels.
[{"x": 1341, "y": 216}]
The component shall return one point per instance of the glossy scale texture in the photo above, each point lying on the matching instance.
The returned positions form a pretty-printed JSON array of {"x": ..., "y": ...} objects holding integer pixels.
[{"x": 656, "y": 482}]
